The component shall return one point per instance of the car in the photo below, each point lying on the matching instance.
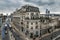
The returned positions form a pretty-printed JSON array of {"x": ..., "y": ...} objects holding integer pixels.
[
  {"x": 5, "y": 28},
  {"x": 5, "y": 25},
  {"x": 10, "y": 26},
  {"x": 6, "y": 32}
]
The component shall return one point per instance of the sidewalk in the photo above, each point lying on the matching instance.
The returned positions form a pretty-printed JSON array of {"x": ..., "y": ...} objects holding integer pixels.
[
  {"x": 11, "y": 35},
  {"x": 22, "y": 35},
  {"x": 0, "y": 37},
  {"x": 0, "y": 34}
]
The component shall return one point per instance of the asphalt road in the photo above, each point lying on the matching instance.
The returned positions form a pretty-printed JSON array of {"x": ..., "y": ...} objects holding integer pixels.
[{"x": 5, "y": 36}]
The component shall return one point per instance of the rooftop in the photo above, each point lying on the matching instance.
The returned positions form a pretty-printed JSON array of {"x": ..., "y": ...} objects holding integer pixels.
[{"x": 28, "y": 8}]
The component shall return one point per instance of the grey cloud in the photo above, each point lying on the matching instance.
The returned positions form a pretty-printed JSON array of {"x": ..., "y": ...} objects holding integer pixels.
[
  {"x": 9, "y": 5},
  {"x": 41, "y": 3}
]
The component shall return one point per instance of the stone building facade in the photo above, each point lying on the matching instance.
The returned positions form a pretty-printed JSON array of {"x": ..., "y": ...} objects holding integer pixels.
[{"x": 29, "y": 21}]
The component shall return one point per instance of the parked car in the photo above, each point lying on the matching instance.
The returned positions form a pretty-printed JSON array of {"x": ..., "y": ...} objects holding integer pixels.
[
  {"x": 6, "y": 32},
  {"x": 10, "y": 27}
]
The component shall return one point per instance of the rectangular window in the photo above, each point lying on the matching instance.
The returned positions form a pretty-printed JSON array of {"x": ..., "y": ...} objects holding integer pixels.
[
  {"x": 31, "y": 23},
  {"x": 32, "y": 14},
  {"x": 27, "y": 26},
  {"x": 31, "y": 27},
  {"x": 36, "y": 22},
  {"x": 27, "y": 22},
  {"x": 36, "y": 27},
  {"x": 21, "y": 22}
]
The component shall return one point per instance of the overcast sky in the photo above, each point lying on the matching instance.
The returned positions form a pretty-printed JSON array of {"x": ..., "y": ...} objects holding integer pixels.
[{"x": 8, "y": 6}]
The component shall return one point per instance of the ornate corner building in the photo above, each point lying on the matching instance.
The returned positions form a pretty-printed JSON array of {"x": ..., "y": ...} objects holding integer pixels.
[{"x": 29, "y": 20}]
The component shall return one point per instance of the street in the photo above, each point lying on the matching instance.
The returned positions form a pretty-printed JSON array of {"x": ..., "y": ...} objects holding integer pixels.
[
  {"x": 15, "y": 34},
  {"x": 8, "y": 28},
  {"x": 5, "y": 36}
]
